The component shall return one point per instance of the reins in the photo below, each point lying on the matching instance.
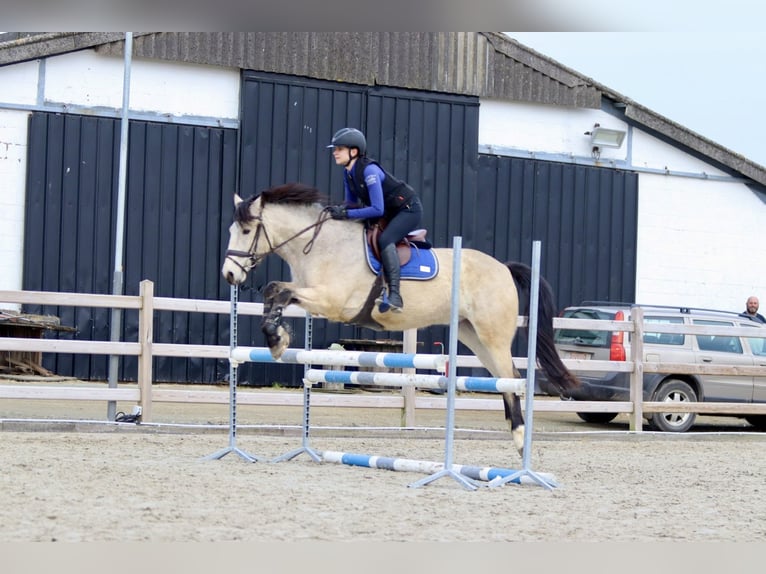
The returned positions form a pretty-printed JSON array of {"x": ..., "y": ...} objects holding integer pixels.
[{"x": 254, "y": 260}]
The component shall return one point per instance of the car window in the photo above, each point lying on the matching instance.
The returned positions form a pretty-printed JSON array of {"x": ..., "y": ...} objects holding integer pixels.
[
  {"x": 757, "y": 345},
  {"x": 719, "y": 343},
  {"x": 585, "y": 336},
  {"x": 663, "y": 338}
]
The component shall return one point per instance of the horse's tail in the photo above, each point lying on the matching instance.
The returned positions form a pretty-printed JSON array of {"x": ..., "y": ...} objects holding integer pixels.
[{"x": 547, "y": 355}]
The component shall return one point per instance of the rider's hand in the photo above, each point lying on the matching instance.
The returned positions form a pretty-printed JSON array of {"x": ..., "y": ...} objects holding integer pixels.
[{"x": 338, "y": 211}]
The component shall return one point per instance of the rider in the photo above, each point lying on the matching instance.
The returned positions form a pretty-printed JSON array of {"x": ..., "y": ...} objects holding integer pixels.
[{"x": 372, "y": 193}]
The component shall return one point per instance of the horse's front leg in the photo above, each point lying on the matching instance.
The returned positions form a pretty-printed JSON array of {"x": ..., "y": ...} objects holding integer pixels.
[
  {"x": 515, "y": 419},
  {"x": 276, "y": 297}
]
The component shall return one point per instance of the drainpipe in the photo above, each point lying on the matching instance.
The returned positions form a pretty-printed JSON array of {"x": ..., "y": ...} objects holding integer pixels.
[{"x": 117, "y": 279}]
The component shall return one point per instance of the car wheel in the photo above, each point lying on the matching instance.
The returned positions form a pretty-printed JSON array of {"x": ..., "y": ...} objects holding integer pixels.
[
  {"x": 598, "y": 418},
  {"x": 758, "y": 421},
  {"x": 673, "y": 391}
]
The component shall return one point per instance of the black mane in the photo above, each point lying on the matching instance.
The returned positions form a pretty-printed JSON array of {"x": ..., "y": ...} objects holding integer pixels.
[{"x": 287, "y": 193}]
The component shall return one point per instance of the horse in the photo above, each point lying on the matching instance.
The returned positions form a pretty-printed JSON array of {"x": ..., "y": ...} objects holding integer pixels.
[{"x": 332, "y": 279}]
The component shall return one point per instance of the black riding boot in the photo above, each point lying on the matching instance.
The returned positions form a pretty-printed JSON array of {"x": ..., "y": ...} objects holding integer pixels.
[{"x": 390, "y": 260}]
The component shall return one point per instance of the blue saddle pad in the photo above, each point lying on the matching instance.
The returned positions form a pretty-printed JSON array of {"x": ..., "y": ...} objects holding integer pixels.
[{"x": 423, "y": 264}]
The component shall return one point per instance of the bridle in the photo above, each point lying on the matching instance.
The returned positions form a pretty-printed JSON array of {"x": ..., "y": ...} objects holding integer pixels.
[{"x": 253, "y": 260}]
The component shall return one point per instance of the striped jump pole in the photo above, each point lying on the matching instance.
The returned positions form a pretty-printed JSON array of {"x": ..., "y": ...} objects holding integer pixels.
[
  {"x": 482, "y": 473},
  {"x": 342, "y": 358},
  {"x": 423, "y": 381}
]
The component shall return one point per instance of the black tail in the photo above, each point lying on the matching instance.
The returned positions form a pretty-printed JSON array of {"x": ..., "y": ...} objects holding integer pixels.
[{"x": 546, "y": 309}]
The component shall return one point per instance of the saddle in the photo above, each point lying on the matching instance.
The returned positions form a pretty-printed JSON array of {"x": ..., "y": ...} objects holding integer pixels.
[{"x": 416, "y": 238}]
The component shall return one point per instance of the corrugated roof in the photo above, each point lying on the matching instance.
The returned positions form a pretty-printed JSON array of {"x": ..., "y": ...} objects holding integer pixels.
[{"x": 485, "y": 64}]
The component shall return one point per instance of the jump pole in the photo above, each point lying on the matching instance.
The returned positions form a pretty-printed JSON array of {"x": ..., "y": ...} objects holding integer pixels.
[
  {"x": 483, "y": 473},
  {"x": 526, "y": 471},
  {"x": 234, "y": 297},
  {"x": 475, "y": 384},
  {"x": 465, "y": 482},
  {"x": 342, "y": 358}
]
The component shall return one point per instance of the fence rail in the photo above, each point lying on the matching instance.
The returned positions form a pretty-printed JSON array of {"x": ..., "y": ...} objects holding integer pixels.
[{"x": 408, "y": 402}]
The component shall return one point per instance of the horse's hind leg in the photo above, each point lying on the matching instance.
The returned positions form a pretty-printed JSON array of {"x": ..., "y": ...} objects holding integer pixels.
[
  {"x": 515, "y": 419},
  {"x": 495, "y": 355},
  {"x": 275, "y": 298}
]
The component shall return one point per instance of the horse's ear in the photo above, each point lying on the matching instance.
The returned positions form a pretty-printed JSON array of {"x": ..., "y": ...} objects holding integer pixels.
[{"x": 237, "y": 200}]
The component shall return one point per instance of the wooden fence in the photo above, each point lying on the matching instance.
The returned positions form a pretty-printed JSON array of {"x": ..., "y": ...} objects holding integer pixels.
[{"x": 144, "y": 395}]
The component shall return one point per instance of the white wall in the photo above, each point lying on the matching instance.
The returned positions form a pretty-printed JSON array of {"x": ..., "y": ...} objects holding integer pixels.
[
  {"x": 701, "y": 243},
  {"x": 545, "y": 129},
  {"x": 19, "y": 84},
  {"x": 13, "y": 169},
  {"x": 89, "y": 79},
  {"x": 94, "y": 81}
]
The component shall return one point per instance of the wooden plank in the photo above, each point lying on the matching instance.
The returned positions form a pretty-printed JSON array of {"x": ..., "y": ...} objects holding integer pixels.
[
  {"x": 220, "y": 307},
  {"x": 67, "y": 393},
  {"x": 63, "y": 346},
  {"x": 675, "y": 328},
  {"x": 202, "y": 351},
  {"x": 637, "y": 376},
  {"x": 584, "y": 406},
  {"x": 287, "y": 399},
  {"x": 146, "y": 340},
  {"x": 706, "y": 408},
  {"x": 706, "y": 369},
  {"x": 71, "y": 299}
]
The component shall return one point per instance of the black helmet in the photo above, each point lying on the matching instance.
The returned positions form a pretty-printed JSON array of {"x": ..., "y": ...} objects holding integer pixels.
[{"x": 350, "y": 137}]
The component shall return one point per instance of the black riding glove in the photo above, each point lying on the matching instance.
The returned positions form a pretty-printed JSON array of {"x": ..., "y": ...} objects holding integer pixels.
[{"x": 338, "y": 211}]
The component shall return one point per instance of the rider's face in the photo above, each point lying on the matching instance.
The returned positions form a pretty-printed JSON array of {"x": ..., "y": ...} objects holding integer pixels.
[{"x": 342, "y": 155}]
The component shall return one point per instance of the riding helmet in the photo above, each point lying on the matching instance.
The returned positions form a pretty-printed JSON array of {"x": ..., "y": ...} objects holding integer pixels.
[{"x": 350, "y": 137}]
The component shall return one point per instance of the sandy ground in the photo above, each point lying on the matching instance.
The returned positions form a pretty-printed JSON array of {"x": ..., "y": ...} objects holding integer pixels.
[{"x": 108, "y": 482}]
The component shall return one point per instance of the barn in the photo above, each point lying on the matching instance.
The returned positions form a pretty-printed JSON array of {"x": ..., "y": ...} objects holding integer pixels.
[{"x": 501, "y": 141}]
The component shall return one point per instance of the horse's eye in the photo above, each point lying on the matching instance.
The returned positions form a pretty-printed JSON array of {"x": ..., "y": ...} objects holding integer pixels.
[{"x": 245, "y": 231}]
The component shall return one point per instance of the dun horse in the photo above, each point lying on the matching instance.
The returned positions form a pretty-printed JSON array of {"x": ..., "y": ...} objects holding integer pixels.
[{"x": 331, "y": 278}]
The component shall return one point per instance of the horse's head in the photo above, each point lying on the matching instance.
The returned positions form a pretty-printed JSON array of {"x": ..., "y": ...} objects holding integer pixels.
[
  {"x": 259, "y": 228},
  {"x": 245, "y": 249}
]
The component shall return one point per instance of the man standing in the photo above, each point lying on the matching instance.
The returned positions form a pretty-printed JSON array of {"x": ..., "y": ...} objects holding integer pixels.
[{"x": 751, "y": 312}]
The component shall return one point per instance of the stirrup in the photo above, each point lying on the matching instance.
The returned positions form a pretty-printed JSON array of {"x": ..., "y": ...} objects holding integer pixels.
[{"x": 384, "y": 304}]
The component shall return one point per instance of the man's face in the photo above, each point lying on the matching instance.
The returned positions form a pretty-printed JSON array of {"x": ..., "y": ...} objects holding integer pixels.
[{"x": 752, "y": 305}]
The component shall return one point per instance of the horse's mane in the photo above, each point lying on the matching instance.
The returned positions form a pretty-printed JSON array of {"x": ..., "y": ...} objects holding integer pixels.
[{"x": 287, "y": 193}]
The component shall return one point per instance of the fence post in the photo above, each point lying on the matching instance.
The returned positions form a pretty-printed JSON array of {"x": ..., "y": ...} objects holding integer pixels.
[
  {"x": 145, "y": 339},
  {"x": 409, "y": 345},
  {"x": 637, "y": 376}
]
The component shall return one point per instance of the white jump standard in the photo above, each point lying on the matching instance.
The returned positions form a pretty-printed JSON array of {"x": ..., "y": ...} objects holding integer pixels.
[{"x": 234, "y": 299}]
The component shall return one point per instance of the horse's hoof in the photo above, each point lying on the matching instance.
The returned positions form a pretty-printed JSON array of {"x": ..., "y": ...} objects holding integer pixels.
[
  {"x": 276, "y": 350},
  {"x": 518, "y": 438},
  {"x": 279, "y": 342}
]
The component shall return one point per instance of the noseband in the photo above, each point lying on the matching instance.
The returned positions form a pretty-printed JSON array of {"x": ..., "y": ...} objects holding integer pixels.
[{"x": 253, "y": 260}]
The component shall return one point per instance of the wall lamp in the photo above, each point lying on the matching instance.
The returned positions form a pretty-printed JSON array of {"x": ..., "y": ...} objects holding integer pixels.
[{"x": 604, "y": 137}]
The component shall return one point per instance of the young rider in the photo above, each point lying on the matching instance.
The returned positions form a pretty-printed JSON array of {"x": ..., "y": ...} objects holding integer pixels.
[{"x": 372, "y": 193}]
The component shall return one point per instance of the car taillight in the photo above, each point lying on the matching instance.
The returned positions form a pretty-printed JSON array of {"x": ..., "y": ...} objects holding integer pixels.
[{"x": 616, "y": 348}]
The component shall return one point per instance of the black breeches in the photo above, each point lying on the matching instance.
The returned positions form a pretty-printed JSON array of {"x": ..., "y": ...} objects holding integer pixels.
[{"x": 402, "y": 223}]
